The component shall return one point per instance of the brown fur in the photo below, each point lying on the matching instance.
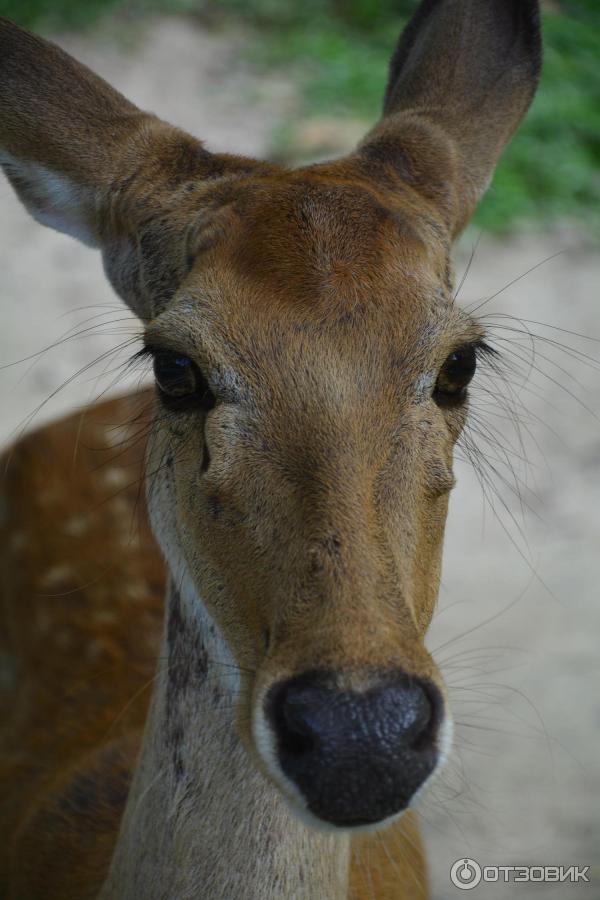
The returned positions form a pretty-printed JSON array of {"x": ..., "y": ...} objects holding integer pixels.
[
  {"x": 83, "y": 589},
  {"x": 318, "y": 303}
]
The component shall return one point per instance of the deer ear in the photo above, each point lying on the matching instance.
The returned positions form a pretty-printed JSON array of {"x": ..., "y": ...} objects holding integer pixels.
[
  {"x": 65, "y": 135},
  {"x": 51, "y": 198},
  {"x": 86, "y": 161},
  {"x": 461, "y": 79}
]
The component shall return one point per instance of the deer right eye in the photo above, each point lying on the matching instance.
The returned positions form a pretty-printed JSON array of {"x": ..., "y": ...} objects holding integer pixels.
[{"x": 180, "y": 381}]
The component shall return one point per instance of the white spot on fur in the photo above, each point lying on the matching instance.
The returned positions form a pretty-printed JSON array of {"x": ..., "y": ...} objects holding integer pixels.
[
  {"x": 117, "y": 435},
  {"x": 136, "y": 591},
  {"x": 76, "y": 526},
  {"x": 55, "y": 576},
  {"x": 114, "y": 477}
]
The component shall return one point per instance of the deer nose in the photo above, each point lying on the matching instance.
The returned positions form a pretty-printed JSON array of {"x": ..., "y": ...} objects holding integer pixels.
[{"x": 357, "y": 757}]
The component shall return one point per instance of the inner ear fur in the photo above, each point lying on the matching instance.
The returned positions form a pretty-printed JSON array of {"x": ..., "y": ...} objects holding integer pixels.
[
  {"x": 86, "y": 161},
  {"x": 461, "y": 79}
]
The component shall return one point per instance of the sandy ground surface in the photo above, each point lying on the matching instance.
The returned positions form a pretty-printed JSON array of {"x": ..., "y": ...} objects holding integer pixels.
[{"x": 523, "y": 784}]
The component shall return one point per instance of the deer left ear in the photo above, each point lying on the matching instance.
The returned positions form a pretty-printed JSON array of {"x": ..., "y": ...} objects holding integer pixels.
[{"x": 461, "y": 79}]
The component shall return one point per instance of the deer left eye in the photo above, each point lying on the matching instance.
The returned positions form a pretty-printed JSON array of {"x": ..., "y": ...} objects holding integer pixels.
[
  {"x": 180, "y": 381},
  {"x": 454, "y": 376}
]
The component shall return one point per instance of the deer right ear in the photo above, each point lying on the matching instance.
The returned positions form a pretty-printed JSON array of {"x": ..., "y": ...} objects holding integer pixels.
[
  {"x": 86, "y": 161},
  {"x": 461, "y": 79},
  {"x": 66, "y": 137}
]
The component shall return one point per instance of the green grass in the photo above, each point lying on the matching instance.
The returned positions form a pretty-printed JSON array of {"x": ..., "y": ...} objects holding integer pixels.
[{"x": 339, "y": 51}]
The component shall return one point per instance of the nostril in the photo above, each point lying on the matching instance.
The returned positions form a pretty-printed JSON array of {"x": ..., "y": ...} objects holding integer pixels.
[
  {"x": 428, "y": 715},
  {"x": 291, "y": 712}
]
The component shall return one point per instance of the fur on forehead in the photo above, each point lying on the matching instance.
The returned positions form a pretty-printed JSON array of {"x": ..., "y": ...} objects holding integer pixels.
[{"x": 302, "y": 239}]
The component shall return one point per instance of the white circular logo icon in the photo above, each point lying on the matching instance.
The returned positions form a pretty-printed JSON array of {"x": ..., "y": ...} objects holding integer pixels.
[{"x": 465, "y": 874}]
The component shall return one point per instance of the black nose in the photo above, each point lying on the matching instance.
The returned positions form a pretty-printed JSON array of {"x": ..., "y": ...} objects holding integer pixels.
[{"x": 356, "y": 756}]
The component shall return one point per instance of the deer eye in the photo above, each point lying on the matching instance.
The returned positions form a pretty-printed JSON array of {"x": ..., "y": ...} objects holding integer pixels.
[
  {"x": 454, "y": 376},
  {"x": 180, "y": 382}
]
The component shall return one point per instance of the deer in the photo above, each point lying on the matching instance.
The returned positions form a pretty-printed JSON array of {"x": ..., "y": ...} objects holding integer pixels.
[{"x": 233, "y": 700}]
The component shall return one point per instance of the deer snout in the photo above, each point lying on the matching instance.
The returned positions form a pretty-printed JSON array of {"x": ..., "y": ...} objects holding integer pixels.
[{"x": 356, "y": 757}]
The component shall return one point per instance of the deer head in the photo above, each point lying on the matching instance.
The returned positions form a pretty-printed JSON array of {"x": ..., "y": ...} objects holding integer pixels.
[{"x": 311, "y": 379}]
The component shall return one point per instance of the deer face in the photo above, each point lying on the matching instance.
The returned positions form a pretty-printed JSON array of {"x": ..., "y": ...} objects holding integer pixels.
[
  {"x": 300, "y": 468},
  {"x": 312, "y": 373}
]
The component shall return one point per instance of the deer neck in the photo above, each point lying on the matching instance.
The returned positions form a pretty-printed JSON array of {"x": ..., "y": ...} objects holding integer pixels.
[{"x": 201, "y": 821}]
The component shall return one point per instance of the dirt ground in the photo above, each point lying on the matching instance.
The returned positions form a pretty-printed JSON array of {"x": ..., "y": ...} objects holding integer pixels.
[{"x": 518, "y": 625}]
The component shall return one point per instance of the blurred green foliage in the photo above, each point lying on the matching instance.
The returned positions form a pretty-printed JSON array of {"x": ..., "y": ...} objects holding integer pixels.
[
  {"x": 339, "y": 50},
  {"x": 48, "y": 14}
]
